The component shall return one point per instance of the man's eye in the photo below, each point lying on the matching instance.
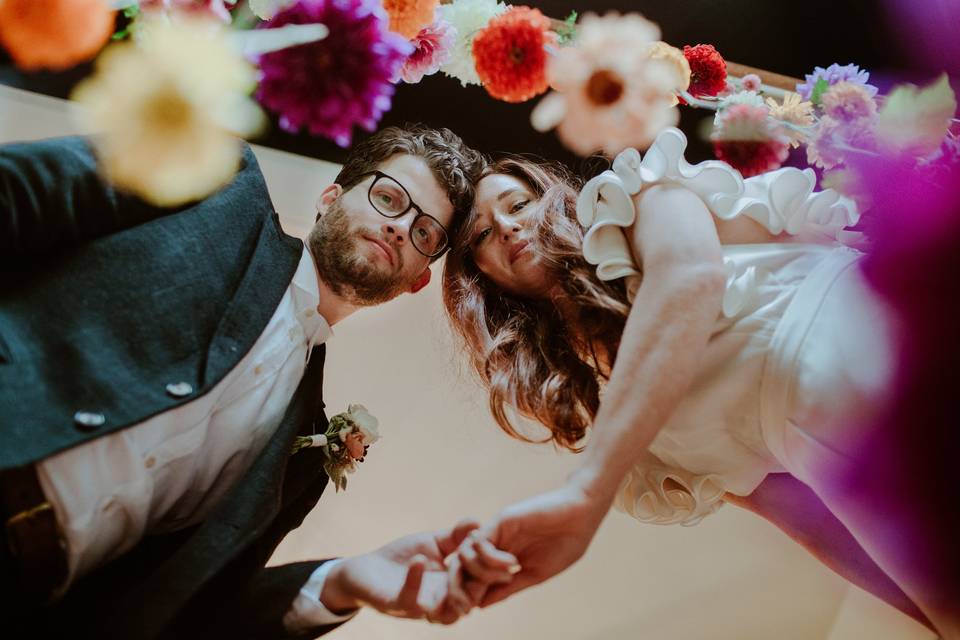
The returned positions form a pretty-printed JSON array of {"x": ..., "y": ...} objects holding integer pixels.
[
  {"x": 385, "y": 199},
  {"x": 518, "y": 205},
  {"x": 423, "y": 234}
]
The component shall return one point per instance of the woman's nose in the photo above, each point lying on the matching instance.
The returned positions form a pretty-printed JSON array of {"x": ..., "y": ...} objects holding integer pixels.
[{"x": 507, "y": 227}]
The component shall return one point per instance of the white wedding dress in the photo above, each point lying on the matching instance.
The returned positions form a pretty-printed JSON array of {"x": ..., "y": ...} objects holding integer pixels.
[{"x": 799, "y": 350}]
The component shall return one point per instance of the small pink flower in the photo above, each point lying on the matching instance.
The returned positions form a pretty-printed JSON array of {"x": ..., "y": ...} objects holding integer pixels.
[
  {"x": 751, "y": 82},
  {"x": 211, "y": 8},
  {"x": 433, "y": 46},
  {"x": 354, "y": 444}
]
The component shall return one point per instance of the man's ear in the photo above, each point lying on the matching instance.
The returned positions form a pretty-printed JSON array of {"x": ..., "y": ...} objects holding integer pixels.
[
  {"x": 422, "y": 280},
  {"x": 327, "y": 197}
]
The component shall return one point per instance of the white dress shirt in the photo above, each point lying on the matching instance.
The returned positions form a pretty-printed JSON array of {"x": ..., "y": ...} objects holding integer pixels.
[{"x": 169, "y": 471}]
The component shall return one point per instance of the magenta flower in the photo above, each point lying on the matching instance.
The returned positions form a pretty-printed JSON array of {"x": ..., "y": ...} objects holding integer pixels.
[
  {"x": 432, "y": 50},
  {"x": 342, "y": 81}
]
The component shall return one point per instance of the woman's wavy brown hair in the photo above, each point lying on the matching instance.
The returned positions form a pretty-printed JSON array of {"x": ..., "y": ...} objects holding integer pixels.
[{"x": 543, "y": 364}]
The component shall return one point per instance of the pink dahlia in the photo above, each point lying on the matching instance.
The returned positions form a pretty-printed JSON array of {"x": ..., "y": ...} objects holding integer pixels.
[
  {"x": 432, "y": 48},
  {"x": 344, "y": 80},
  {"x": 747, "y": 140}
]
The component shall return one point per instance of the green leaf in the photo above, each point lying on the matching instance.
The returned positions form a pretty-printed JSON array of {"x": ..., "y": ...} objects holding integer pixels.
[
  {"x": 566, "y": 31},
  {"x": 819, "y": 89},
  {"x": 916, "y": 120}
]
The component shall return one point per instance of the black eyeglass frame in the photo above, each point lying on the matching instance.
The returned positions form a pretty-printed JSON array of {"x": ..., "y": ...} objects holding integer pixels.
[{"x": 420, "y": 212}]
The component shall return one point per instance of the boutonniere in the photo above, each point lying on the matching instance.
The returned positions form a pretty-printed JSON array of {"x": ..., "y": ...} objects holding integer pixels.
[{"x": 344, "y": 443}]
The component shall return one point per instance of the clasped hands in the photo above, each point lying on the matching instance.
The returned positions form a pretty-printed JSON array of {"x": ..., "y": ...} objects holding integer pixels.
[{"x": 441, "y": 576}]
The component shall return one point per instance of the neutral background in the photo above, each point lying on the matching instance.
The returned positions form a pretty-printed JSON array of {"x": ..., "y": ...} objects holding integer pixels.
[{"x": 441, "y": 458}]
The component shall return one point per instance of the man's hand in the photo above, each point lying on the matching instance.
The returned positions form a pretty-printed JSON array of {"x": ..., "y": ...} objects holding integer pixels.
[
  {"x": 546, "y": 534},
  {"x": 406, "y": 578}
]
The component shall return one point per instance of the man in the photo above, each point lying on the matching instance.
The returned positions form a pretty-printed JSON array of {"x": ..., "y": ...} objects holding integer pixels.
[{"x": 155, "y": 369}]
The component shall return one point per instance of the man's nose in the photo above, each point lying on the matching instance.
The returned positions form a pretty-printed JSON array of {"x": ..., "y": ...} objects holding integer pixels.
[{"x": 397, "y": 229}]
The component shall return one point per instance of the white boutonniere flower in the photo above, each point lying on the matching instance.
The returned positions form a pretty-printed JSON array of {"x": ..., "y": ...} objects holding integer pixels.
[{"x": 344, "y": 443}]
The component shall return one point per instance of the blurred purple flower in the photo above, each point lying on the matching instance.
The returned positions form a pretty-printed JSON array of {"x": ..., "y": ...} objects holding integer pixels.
[
  {"x": 342, "y": 81},
  {"x": 833, "y": 74}
]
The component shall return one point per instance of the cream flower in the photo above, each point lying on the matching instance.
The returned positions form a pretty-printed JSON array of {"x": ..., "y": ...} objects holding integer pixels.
[
  {"x": 467, "y": 17},
  {"x": 610, "y": 94},
  {"x": 793, "y": 111},
  {"x": 365, "y": 422},
  {"x": 266, "y": 9},
  {"x": 167, "y": 109},
  {"x": 662, "y": 51}
]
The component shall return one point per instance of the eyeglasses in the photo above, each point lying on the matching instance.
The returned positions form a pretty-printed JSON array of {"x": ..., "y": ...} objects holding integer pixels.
[{"x": 392, "y": 200}]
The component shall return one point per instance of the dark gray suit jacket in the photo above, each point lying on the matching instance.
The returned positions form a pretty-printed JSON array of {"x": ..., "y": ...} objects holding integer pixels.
[{"x": 104, "y": 302}]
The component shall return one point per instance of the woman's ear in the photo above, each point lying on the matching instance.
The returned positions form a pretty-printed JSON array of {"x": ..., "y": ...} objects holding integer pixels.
[
  {"x": 327, "y": 197},
  {"x": 422, "y": 280}
]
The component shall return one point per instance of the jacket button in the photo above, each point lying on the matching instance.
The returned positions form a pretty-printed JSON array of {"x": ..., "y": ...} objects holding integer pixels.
[
  {"x": 179, "y": 389},
  {"x": 89, "y": 420}
]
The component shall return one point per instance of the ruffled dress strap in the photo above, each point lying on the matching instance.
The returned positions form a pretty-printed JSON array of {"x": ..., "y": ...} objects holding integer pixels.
[{"x": 783, "y": 201}]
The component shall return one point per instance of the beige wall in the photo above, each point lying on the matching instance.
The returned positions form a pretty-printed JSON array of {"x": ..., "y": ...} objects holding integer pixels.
[{"x": 731, "y": 577}]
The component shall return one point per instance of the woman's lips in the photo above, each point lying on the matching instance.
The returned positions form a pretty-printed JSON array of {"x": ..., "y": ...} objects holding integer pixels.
[{"x": 517, "y": 250}]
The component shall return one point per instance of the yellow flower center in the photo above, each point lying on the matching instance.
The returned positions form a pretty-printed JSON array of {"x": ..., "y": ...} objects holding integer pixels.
[
  {"x": 604, "y": 87},
  {"x": 168, "y": 110}
]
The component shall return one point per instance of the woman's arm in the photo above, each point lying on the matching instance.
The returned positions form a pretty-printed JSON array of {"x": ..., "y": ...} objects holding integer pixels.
[
  {"x": 675, "y": 242},
  {"x": 796, "y": 510}
]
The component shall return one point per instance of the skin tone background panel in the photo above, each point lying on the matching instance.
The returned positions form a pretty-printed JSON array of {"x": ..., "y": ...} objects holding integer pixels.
[{"x": 441, "y": 458}]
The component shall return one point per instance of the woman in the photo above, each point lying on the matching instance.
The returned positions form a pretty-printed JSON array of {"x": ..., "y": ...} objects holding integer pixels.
[{"x": 727, "y": 330}]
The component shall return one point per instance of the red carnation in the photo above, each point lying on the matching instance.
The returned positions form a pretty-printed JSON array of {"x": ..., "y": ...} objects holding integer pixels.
[
  {"x": 509, "y": 54},
  {"x": 708, "y": 70}
]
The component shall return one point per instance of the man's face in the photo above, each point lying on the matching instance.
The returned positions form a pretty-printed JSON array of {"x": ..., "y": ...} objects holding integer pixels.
[{"x": 366, "y": 257}]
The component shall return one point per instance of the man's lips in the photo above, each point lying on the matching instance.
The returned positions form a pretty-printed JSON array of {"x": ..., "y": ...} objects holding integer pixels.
[
  {"x": 517, "y": 248},
  {"x": 387, "y": 251}
]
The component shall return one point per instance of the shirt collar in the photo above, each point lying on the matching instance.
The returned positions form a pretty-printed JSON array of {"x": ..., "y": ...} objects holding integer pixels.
[{"x": 306, "y": 296}]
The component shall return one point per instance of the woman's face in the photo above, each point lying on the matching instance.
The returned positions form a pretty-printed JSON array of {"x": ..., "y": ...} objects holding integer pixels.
[{"x": 502, "y": 240}]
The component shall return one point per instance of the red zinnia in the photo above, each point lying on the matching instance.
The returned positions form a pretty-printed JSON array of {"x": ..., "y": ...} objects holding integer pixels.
[
  {"x": 509, "y": 54},
  {"x": 708, "y": 70}
]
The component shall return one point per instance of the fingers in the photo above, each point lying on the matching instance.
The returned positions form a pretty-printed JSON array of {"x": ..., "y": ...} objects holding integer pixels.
[
  {"x": 484, "y": 563},
  {"x": 407, "y": 599},
  {"x": 457, "y": 597},
  {"x": 448, "y": 542}
]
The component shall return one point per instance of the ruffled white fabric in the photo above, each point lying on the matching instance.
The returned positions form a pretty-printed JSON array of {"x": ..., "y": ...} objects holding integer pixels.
[
  {"x": 783, "y": 201},
  {"x": 655, "y": 493}
]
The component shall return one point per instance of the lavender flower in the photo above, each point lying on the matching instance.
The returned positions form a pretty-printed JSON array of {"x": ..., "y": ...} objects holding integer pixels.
[
  {"x": 332, "y": 85},
  {"x": 834, "y": 74}
]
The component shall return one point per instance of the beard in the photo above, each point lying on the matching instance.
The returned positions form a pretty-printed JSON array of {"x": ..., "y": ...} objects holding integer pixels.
[{"x": 351, "y": 275}]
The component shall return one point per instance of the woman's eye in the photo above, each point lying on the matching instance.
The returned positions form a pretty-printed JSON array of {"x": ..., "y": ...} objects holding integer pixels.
[
  {"x": 518, "y": 205},
  {"x": 481, "y": 236}
]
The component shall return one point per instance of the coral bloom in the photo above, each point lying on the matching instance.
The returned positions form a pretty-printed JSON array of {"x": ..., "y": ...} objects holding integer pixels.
[
  {"x": 748, "y": 141},
  {"x": 610, "y": 92},
  {"x": 54, "y": 34},
  {"x": 408, "y": 17},
  {"x": 342, "y": 81},
  {"x": 510, "y": 54},
  {"x": 708, "y": 70},
  {"x": 168, "y": 110},
  {"x": 848, "y": 101},
  {"x": 432, "y": 50}
]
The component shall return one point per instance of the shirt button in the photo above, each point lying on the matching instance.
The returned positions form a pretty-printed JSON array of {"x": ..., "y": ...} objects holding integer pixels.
[
  {"x": 310, "y": 313},
  {"x": 149, "y": 462},
  {"x": 179, "y": 389},
  {"x": 89, "y": 420}
]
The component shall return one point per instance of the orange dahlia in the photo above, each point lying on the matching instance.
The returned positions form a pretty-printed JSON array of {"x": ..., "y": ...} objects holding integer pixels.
[
  {"x": 54, "y": 34},
  {"x": 510, "y": 54},
  {"x": 408, "y": 17}
]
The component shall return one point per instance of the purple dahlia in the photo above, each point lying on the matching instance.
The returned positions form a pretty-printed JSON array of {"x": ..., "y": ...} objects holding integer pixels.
[{"x": 331, "y": 85}]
